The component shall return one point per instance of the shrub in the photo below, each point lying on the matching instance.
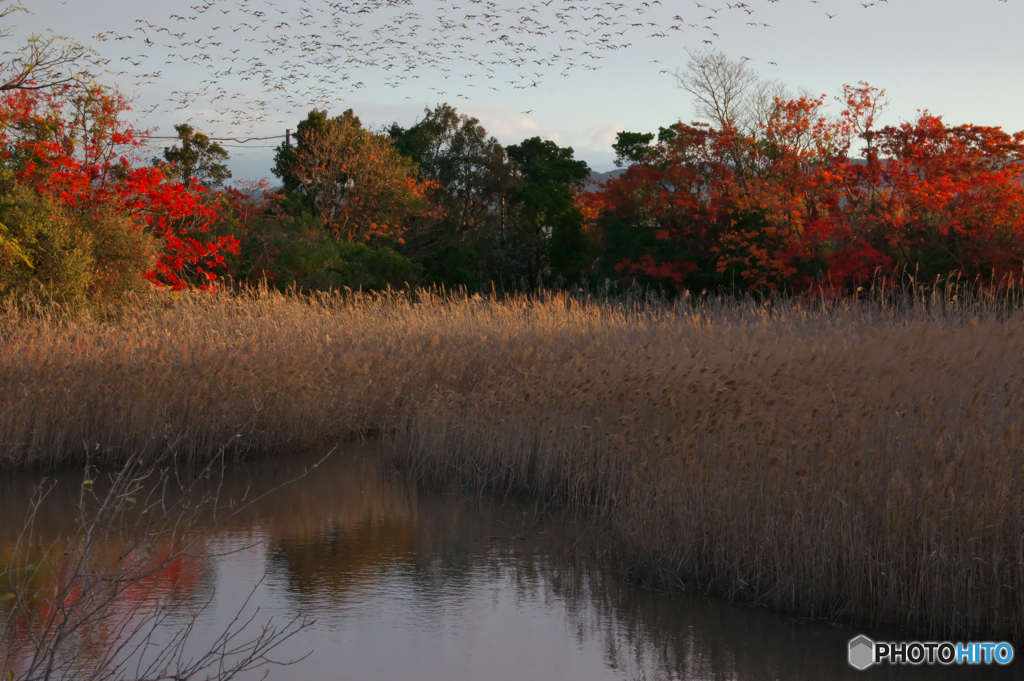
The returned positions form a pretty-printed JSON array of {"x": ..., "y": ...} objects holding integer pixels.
[
  {"x": 296, "y": 252},
  {"x": 82, "y": 261}
]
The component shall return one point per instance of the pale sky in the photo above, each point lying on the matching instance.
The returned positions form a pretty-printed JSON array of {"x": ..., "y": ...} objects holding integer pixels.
[{"x": 961, "y": 60}]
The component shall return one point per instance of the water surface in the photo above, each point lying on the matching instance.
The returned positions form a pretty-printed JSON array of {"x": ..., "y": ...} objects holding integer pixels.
[{"x": 404, "y": 584}]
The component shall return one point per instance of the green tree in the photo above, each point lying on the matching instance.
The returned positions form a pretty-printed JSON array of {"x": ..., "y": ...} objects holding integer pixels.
[
  {"x": 631, "y": 147},
  {"x": 299, "y": 198},
  {"x": 473, "y": 174},
  {"x": 546, "y": 240},
  {"x": 288, "y": 252},
  {"x": 197, "y": 159}
]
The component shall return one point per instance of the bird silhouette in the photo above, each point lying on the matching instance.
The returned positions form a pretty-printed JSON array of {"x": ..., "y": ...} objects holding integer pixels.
[{"x": 285, "y": 56}]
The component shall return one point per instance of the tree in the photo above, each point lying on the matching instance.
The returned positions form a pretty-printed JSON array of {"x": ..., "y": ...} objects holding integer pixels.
[
  {"x": 353, "y": 180},
  {"x": 798, "y": 213},
  {"x": 82, "y": 261},
  {"x": 196, "y": 160},
  {"x": 661, "y": 220},
  {"x": 472, "y": 174},
  {"x": 71, "y": 147},
  {"x": 631, "y": 147},
  {"x": 45, "y": 61},
  {"x": 729, "y": 93},
  {"x": 720, "y": 86},
  {"x": 286, "y": 155},
  {"x": 942, "y": 199},
  {"x": 546, "y": 236}
]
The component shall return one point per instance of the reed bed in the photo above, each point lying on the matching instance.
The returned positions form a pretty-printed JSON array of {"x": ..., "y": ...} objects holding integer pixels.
[{"x": 858, "y": 462}]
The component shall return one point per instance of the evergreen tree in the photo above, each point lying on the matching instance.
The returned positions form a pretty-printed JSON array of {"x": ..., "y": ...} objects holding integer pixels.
[
  {"x": 546, "y": 243},
  {"x": 197, "y": 159}
]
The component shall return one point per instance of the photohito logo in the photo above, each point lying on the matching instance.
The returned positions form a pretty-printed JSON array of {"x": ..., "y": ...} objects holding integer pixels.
[{"x": 863, "y": 652}]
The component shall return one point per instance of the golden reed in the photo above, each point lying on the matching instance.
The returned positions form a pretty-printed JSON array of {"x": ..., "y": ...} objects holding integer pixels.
[{"x": 860, "y": 462}]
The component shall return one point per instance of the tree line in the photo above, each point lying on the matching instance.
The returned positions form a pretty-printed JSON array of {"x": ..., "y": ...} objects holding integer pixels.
[{"x": 770, "y": 192}]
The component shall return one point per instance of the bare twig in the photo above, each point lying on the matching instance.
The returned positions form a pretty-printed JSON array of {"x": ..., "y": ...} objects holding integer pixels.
[{"x": 89, "y": 605}]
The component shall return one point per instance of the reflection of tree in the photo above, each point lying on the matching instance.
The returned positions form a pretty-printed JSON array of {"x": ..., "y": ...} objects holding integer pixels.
[
  {"x": 347, "y": 526},
  {"x": 163, "y": 576},
  {"x": 329, "y": 564},
  {"x": 89, "y": 602}
]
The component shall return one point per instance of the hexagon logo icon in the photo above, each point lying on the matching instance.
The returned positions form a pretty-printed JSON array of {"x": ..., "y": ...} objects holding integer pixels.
[{"x": 862, "y": 652}]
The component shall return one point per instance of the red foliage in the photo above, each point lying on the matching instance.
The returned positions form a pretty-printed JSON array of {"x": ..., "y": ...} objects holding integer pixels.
[
  {"x": 249, "y": 199},
  {"x": 674, "y": 271},
  {"x": 793, "y": 209},
  {"x": 71, "y": 144}
]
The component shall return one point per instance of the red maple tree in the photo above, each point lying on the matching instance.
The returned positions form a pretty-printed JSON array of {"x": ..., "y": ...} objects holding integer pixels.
[{"x": 792, "y": 209}]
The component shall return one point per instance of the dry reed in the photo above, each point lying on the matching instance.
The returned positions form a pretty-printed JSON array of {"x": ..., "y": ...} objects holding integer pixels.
[{"x": 856, "y": 462}]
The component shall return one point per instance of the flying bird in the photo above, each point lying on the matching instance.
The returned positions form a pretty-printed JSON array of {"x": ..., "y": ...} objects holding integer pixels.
[{"x": 295, "y": 55}]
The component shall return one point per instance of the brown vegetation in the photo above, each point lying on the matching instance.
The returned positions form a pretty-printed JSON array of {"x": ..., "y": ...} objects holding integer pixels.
[{"x": 854, "y": 461}]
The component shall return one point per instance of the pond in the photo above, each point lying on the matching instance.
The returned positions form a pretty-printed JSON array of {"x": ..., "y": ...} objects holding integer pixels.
[{"x": 405, "y": 584}]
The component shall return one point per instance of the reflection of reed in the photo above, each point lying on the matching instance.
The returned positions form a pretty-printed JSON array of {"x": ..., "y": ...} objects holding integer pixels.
[
  {"x": 345, "y": 488},
  {"x": 451, "y": 545}
]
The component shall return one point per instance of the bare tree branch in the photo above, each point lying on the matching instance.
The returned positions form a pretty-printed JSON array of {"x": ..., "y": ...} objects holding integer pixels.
[
  {"x": 718, "y": 84},
  {"x": 90, "y": 605},
  {"x": 730, "y": 92},
  {"x": 44, "y": 61}
]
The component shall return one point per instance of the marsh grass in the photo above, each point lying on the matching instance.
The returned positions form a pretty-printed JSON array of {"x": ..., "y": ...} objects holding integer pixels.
[{"x": 852, "y": 461}]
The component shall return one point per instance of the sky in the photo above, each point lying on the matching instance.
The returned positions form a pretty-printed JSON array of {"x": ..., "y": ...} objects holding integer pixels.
[{"x": 960, "y": 60}]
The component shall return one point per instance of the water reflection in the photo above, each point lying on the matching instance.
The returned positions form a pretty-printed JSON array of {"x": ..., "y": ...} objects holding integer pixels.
[{"x": 407, "y": 585}]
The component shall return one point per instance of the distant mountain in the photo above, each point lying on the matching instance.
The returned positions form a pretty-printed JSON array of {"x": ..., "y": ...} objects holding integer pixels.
[
  {"x": 597, "y": 178},
  {"x": 604, "y": 177}
]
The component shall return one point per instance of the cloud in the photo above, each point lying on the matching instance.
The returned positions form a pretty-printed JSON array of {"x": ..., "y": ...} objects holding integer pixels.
[
  {"x": 592, "y": 144},
  {"x": 604, "y": 136}
]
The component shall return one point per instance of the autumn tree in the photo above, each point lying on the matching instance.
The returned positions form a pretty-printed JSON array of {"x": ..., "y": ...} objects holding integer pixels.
[
  {"x": 74, "y": 177},
  {"x": 352, "y": 179},
  {"x": 662, "y": 219},
  {"x": 800, "y": 213},
  {"x": 942, "y": 199}
]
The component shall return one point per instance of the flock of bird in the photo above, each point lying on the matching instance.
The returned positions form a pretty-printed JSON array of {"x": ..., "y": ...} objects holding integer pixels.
[{"x": 260, "y": 56}]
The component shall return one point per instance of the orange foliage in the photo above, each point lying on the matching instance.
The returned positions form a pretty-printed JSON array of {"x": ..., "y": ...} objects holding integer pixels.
[
  {"x": 792, "y": 209},
  {"x": 360, "y": 186}
]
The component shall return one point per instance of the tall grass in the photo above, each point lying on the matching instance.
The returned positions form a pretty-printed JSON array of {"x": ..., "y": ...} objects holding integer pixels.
[{"x": 856, "y": 461}]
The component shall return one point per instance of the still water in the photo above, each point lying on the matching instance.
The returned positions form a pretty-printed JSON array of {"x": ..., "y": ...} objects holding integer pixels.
[{"x": 404, "y": 585}]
